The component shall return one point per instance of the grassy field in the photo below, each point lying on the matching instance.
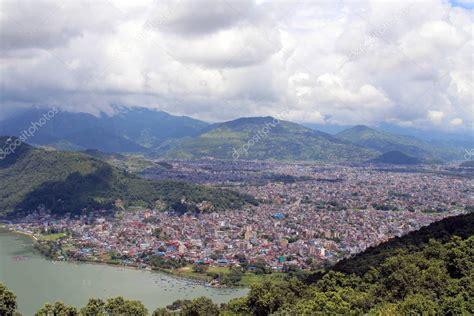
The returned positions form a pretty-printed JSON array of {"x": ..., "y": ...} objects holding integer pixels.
[
  {"x": 248, "y": 279},
  {"x": 52, "y": 237},
  {"x": 188, "y": 273}
]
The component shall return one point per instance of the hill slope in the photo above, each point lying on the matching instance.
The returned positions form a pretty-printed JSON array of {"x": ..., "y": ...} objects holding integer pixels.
[
  {"x": 384, "y": 142},
  {"x": 427, "y": 272},
  {"x": 395, "y": 157},
  {"x": 129, "y": 130},
  {"x": 70, "y": 182},
  {"x": 264, "y": 138},
  {"x": 467, "y": 164},
  {"x": 442, "y": 231}
]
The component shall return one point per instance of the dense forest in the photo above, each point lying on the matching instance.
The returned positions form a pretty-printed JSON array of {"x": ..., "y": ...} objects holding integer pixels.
[
  {"x": 429, "y": 272},
  {"x": 70, "y": 182}
]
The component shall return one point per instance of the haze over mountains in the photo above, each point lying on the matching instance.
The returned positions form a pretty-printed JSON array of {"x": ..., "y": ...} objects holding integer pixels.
[
  {"x": 384, "y": 142},
  {"x": 132, "y": 130},
  {"x": 161, "y": 135}
]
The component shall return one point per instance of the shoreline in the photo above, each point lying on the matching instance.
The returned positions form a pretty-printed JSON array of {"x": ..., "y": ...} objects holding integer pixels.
[
  {"x": 12, "y": 230},
  {"x": 76, "y": 282},
  {"x": 160, "y": 271}
]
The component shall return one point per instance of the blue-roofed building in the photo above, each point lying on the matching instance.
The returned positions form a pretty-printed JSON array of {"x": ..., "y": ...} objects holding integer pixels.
[{"x": 278, "y": 216}]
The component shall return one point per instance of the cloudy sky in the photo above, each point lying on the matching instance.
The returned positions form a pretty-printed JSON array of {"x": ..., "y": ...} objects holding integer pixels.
[{"x": 332, "y": 62}]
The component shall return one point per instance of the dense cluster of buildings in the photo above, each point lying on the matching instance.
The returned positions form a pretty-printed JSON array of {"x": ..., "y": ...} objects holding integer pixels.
[
  {"x": 355, "y": 188},
  {"x": 321, "y": 214}
]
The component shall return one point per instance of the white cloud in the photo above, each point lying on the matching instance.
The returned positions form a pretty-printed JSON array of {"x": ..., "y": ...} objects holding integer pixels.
[
  {"x": 456, "y": 122},
  {"x": 237, "y": 47},
  {"x": 339, "y": 62},
  {"x": 190, "y": 18},
  {"x": 435, "y": 116}
]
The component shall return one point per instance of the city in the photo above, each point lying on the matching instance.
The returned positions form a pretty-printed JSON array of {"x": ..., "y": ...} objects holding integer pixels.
[
  {"x": 236, "y": 157},
  {"x": 309, "y": 216}
]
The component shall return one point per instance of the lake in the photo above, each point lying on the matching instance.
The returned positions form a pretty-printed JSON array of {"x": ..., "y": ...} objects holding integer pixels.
[{"x": 38, "y": 280}]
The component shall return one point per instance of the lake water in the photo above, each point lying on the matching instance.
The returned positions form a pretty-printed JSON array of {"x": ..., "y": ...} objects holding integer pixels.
[{"x": 37, "y": 280}]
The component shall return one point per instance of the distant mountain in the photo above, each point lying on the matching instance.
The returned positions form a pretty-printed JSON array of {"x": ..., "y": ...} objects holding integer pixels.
[
  {"x": 69, "y": 182},
  {"x": 395, "y": 157},
  {"x": 129, "y": 130},
  {"x": 383, "y": 142},
  {"x": 327, "y": 128},
  {"x": 104, "y": 156},
  {"x": 141, "y": 130},
  {"x": 105, "y": 139},
  {"x": 264, "y": 138},
  {"x": 464, "y": 138},
  {"x": 150, "y": 128},
  {"x": 467, "y": 164}
]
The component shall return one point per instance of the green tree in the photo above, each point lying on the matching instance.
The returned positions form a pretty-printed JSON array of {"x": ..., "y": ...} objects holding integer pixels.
[
  {"x": 121, "y": 307},
  {"x": 329, "y": 303},
  {"x": 200, "y": 268},
  {"x": 231, "y": 278},
  {"x": 238, "y": 306},
  {"x": 95, "y": 307},
  {"x": 460, "y": 257},
  {"x": 457, "y": 305},
  {"x": 418, "y": 304},
  {"x": 400, "y": 276},
  {"x": 161, "y": 312},
  {"x": 7, "y": 301},
  {"x": 268, "y": 297},
  {"x": 201, "y": 306},
  {"x": 178, "y": 304},
  {"x": 57, "y": 309}
]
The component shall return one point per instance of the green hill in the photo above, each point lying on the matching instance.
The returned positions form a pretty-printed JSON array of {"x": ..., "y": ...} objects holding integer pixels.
[
  {"x": 383, "y": 142},
  {"x": 70, "y": 182},
  {"x": 264, "y": 138},
  {"x": 442, "y": 231},
  {"x": 103, "y": 155},
  {"x": 395, "y": 157}
]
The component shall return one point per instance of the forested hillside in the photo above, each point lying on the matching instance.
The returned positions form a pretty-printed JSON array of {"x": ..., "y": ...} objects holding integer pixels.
[
  {"x": 264, "y": 138},
  {"x": 442, "y": 231},
  {"x": 70, "y": 182}
]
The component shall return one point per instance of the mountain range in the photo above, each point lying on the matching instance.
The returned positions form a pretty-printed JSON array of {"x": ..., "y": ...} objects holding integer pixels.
[
  {"x": 71, "y": 181},
  {"x": 161, "y": 135},
  {"x": 384, "y": 142},
  {"x": 128, "y": 131},
  {"x": 267, "y": 138},
  {"x": 264, "y": 138}
]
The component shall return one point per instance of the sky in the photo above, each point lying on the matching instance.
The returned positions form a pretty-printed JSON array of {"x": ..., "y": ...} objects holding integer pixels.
[{"x": 408, "y": 63}]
